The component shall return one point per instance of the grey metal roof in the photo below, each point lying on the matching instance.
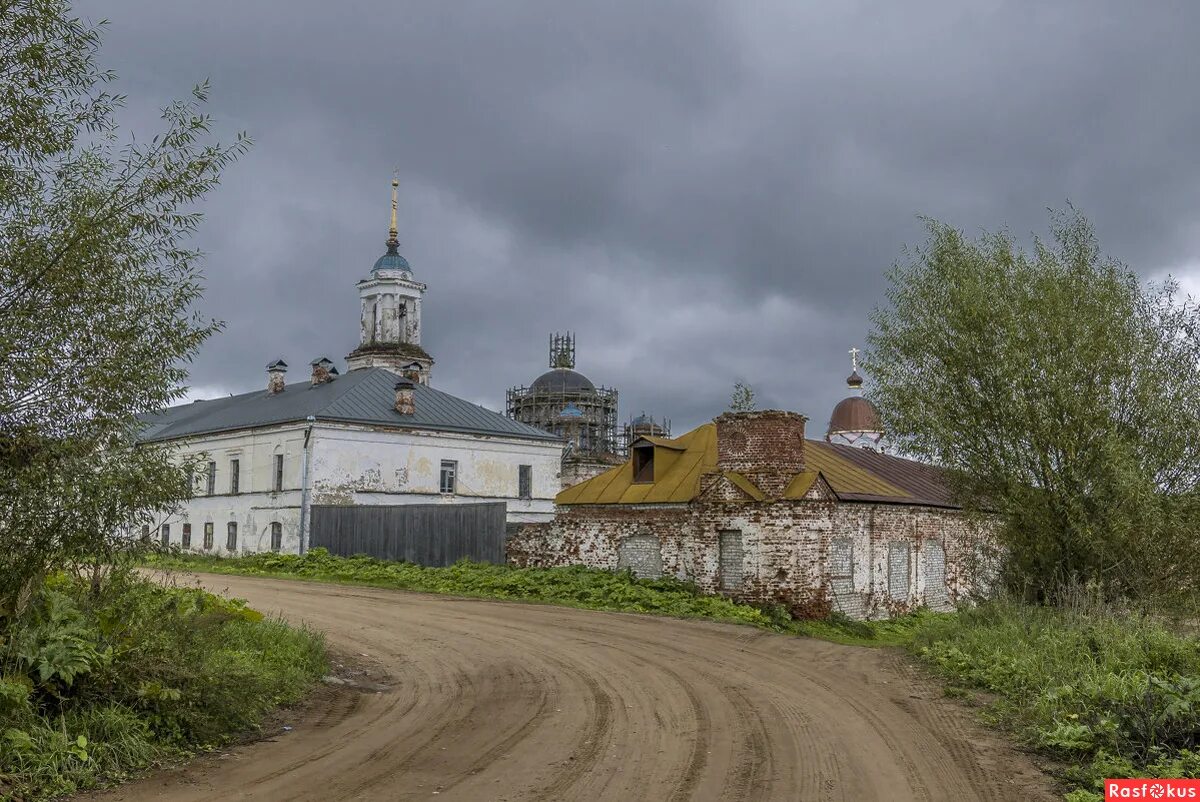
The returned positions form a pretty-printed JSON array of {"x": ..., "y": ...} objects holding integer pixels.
[{"x": 360, "y": 396}]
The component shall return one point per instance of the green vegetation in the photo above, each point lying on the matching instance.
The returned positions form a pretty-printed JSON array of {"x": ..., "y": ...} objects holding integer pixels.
[
  {"x": 574, "y": 586},
  {"x": 94, "y": 687},
  {"x": 1110, "y": 694},
  {"x": 1062, "y": 393}
]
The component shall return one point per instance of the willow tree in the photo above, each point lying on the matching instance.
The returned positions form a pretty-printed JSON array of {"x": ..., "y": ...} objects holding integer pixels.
[
  {"x": 1062, "y": 393},
  {"x": 97, "y": 287}
]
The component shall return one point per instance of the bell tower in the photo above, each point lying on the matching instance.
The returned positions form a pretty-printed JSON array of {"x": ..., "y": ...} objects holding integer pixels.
[{"x": 390, "y": 318}]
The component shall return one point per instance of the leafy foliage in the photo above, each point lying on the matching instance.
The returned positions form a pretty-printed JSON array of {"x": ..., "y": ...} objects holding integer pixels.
[
  {"x": 95, "y": 686},
  {"x": 96, "y": 294},
  {"x": 1062, "y": 393},
  {"x": 1110, "y": 693},
  {"x": 742, "y": 399}
]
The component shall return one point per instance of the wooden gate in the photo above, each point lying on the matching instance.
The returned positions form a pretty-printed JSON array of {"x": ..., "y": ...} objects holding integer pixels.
[{"x": 435, "y": 535}]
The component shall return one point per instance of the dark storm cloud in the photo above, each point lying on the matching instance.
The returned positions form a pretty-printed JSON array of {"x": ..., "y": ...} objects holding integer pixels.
[{"x": 704, "y": 192}]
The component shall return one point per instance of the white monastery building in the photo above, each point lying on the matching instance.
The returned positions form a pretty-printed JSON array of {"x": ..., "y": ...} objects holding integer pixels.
[{"x": 380, "y": 434}]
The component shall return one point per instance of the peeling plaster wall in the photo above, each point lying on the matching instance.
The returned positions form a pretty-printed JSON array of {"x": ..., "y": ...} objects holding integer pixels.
[
  {"x": 787, "y": 549},
  {"x": 362, "y": 465},
  {"x": 257, "y": 504}
]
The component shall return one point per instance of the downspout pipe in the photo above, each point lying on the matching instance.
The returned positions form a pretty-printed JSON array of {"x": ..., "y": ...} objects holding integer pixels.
[{"x": 305, "y": 494}]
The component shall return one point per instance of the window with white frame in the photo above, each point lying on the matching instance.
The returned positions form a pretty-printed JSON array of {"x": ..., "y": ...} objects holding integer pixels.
[{"x": 449, "y": 479}]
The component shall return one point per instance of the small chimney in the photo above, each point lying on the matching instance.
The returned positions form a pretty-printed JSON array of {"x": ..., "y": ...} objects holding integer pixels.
[
  {"x": 323, "y": 371},
  {"x": 275, "y": 377},
  {"x": 767, "y": 447},
  {"x": 406, "y": 403}
]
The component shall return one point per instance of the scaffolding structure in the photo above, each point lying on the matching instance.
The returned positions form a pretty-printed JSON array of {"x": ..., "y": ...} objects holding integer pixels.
[{"x": 565, "y": 403}]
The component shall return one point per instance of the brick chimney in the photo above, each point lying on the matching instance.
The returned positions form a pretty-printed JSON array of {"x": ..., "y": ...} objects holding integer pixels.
[
  {"x": 323, "y": 371},
  {"x": 275, "y": 377},
  {"x": 767, "y": 447},
  {"x": 406, "y": 403}
]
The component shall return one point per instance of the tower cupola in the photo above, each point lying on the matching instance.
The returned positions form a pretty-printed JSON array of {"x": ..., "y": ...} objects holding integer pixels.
[{"x": 390, "y": 318}]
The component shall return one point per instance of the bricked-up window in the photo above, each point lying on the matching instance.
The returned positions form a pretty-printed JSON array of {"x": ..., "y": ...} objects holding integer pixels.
[
  {"x": 898, "y": 566},
  {"x": 449, "y": 483},
  {"x": 278, "y": 472},
  {"x": 231, "y": 536},
  {"x": 276, "y": 536},
  {"x": 166, "y": 535},
  {"x": 186, "y": 541},
  {"x": 235, "y": 476},
  {"x": 525, "y": 481},
  {"x": 210, "y": 483},
  {"x": 208, "y": 535},
  {"x": 643, "y": 463}
]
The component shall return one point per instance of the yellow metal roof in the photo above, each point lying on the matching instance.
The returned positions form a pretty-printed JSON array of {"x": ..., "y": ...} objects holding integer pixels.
[
  {"x": 679, "y": 463},
  {"x": 677, "y": 472}
]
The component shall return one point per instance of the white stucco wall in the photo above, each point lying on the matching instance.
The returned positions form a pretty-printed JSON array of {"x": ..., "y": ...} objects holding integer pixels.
[
  {"x": 360, "y": 465},
  {"x": 257, "y": 504},
  {"x": 351, "y": 465}
]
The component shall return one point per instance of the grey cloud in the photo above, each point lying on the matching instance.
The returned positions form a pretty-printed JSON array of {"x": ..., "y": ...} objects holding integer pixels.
[{"x": 706, "y": 192}]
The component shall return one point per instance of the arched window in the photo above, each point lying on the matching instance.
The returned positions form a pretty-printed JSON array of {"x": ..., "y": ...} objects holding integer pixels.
[
  {"x": 231, "y": 537},
  {"x": 276, "y": 536}
]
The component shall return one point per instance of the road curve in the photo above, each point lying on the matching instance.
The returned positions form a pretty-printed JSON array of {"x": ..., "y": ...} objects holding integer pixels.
[{"x": 502, "y": 701}]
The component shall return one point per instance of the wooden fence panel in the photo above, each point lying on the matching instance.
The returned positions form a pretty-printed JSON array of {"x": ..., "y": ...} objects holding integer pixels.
[{"x": 427, "y": 534}]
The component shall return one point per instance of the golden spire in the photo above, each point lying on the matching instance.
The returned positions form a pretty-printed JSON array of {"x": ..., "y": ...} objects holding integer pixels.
[{"x": 393, "y": 233}]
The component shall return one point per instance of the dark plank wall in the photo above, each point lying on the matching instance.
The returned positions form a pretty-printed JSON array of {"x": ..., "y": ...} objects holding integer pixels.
[{"x": 428, "y": 534}]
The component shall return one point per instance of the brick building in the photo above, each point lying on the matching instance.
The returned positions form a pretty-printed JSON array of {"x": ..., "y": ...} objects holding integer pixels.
[{"x": 748, "y": 507}]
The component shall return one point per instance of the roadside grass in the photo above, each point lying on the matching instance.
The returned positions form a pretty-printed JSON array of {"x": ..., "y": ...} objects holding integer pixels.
[
  {"x": 96, "y": 687},
  {"x": 1105, "y": 693},
  {"x": 573, "y": 586}
]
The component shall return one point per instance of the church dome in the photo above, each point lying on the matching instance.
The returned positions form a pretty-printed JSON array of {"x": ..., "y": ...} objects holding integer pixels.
[
  {"x": 563, "y": 380},
  {"x": 854, "y": 414},
  {"x": 392, "y": 260}
]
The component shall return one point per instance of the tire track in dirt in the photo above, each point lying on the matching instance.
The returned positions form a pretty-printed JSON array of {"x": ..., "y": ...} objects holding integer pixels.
[{"x": 505, "y": 701}]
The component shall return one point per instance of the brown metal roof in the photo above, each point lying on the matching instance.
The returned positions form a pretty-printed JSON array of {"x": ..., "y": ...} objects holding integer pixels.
[{"x": 924, "y": 484}]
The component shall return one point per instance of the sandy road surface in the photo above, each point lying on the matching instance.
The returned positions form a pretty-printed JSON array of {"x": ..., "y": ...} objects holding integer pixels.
[{"x": 498, "y": 701}]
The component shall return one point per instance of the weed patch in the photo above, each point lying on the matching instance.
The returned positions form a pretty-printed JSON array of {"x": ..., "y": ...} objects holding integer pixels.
[
  {"x": 97, "y": 686},
  {"x": 1111, "y": 695}
]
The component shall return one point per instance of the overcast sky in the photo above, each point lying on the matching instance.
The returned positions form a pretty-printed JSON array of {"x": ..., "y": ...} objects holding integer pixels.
[{"x": 704, "y": 192}]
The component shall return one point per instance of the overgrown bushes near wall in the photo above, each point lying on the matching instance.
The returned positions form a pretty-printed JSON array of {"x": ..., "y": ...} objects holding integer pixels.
[
  {"x": 1109, "y": 694},
  {"x": 97, "y": 685}
]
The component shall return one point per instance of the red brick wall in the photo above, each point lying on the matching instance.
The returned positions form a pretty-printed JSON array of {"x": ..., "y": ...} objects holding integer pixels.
[
  {"x": 767, "y": 447},
  {"x": 786, "y": 547}
]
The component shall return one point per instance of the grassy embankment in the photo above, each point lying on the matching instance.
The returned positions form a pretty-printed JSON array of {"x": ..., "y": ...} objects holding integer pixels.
[
  {"x": 95, "y": 687},
  {"x": 574, "y": 586},
  {"x": 1102, "y": 693}
]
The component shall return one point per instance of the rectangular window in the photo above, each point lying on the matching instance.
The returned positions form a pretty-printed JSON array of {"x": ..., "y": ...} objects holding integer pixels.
[
  {"x": 166, "y": 535},
  {"x": 186, "y": 542},
  {"x": 231, "y": 537},
  {"x": 525, "y": 481},
  {"x": 211, "y": 481},
  {"x": 449, "y": 476},
  {"x": 146, "y": 534},
  {"x": 278, "y": 472},
  {"x": 235, "y": 475},
  {"x": 276, "y": 536},
  {"x": 208, "y": 535}
]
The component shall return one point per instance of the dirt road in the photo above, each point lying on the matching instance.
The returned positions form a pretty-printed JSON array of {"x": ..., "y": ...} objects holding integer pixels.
[{"x": 499, "y": 701}]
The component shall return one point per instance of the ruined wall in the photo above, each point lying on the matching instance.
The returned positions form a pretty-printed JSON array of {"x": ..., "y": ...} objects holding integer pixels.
[{"x": 816, "y": 555}]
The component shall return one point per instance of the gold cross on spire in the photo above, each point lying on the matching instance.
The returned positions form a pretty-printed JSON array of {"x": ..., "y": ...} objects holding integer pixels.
[{"x": 393, "y": 233}]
